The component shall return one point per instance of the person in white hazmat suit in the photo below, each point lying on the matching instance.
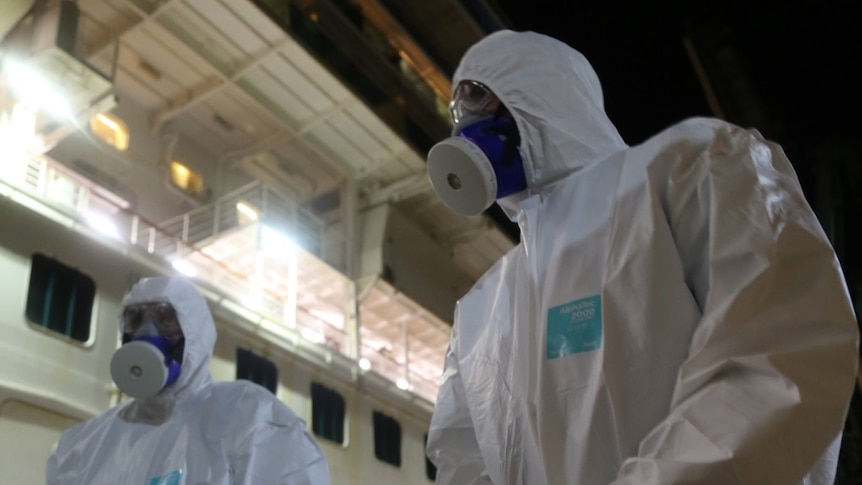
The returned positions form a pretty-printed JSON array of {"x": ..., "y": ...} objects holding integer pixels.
[
  {"x": 182, "y": 428},
  {"x": 674, "y": 313}
]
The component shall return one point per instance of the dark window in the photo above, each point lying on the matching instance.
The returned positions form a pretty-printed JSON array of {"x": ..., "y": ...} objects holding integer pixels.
[
  {"x": 387, "y": 439},
  {"x": 327, "y": 413},
  {"x": 430, "y": 469},
  {"x": 60, "y": 298},
  {"x": 257, "y": 369}
]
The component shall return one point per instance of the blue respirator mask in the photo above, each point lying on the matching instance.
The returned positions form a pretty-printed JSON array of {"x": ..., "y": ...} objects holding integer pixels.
[
  {"x": 481, "y": 162},
  {"x": 151, "y": 356}
]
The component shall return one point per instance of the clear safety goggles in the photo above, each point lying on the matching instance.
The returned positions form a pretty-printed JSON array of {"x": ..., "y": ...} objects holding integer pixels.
[
  {"x": 471, "y": 97},
  {"x": 161, "y": 314}
]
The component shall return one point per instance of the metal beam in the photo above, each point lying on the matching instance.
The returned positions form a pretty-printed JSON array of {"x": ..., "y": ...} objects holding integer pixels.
[{"x": 173, "y": 110}]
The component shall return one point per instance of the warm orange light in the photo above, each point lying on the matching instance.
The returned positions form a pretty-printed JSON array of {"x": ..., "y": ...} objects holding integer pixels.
[
  {"x": 186, "y": 179},
  {"x": 111, "y": 130}
]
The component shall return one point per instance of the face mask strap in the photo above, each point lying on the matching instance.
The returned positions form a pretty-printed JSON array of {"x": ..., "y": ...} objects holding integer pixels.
[
  {"x": 177, "y": 350},
  {"x": 173, "y": 351},
  {"x": 510, "y": 131}
]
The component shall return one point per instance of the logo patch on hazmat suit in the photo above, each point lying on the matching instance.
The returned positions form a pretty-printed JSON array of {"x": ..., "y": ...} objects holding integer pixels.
[
  {"x": 574, "y": 327},
  {"x": 172, "y": 478}
]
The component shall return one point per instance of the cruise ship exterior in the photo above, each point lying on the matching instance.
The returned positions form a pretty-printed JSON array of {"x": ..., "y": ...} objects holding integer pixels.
[{"x": 271, "y": 151}]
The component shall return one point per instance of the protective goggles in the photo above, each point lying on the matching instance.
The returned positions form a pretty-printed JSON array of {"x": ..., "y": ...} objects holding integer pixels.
[
  {"x": 471, "y": 97},
  {"x": 161, "y": 314}
]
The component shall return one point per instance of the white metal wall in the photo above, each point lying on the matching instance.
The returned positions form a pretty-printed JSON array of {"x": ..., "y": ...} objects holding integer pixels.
[{"x": 48, "y": 382}]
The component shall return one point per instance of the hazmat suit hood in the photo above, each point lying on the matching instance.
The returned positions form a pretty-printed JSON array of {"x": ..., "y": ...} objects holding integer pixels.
[
  {"x": 673, "y": 313},
  {"x": 199, "y": 333},
  {"x": 195, "y": 430},
  {"x": 555, "y": 98}
]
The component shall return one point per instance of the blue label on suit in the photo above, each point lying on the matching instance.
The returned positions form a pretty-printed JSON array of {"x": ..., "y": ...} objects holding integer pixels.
[
  {"x": 172, "y": 478},
  {"x": 575, "y": 327}
]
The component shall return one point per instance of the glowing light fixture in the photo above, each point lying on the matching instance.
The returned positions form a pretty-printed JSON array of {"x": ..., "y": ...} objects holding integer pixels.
[
  {"x": 277, "y": 244},
  {"x": 332, "y": 318},
  {"x": 32, "y": 88},
  {"x": 103, "y": 225},
  {"x": 364, "y": 364},
  {"x": 311, "y": 335},
  {"x": 247, "y": 212},
  {"x": 402, "y": 384},
  {"x": 184, "y": 267},
  {"x": 186, "y": 179},
  {"x": 111, "y": 130}
]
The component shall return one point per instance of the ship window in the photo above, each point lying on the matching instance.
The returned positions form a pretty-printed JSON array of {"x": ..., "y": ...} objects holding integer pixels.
[
  {"x": 110, "y": 129},
  {"x": 430, "y": 469},
  {"x": 60, "y": 298},
  {"x": 387, "y": 439},
  {"x": 187, "y": 180},
  {"x": 327, "y": 413},
  {"x": 257, "y": 369}
]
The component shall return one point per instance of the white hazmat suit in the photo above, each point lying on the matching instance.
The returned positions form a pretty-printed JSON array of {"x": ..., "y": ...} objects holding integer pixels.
[
  {"x": 674, "y": 312},
  {"x": 194, "y": 431}
]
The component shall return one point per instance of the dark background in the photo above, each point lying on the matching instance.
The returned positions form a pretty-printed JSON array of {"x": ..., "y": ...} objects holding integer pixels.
[
  {"x": 798, "y": 59},
  {"x": 788, "y": 69}
]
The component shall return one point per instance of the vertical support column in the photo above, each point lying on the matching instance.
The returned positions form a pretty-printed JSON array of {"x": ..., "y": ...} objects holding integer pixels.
[
  {"x": 407, "y": 352},
  {"x": 351, "y": 238},
  {"x": 133, "y": 237},
  {"x": 703, "y": 78},
  {"x": 292, "y": 282},
  {"x": 216, "y": 217}
]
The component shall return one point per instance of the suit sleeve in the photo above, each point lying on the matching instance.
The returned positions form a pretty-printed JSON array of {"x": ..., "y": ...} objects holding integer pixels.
[
  {"x": 51, "y": 468},
  {"x": 272, "y": 446},
  {"x": 765, "y": 388},
  {"x": 452, "y": 443}
]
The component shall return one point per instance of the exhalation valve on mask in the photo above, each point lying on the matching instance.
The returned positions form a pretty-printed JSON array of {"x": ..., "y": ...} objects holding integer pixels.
[
  {"x": 143, "y": 367},
  {"x": 479, "y": 165}
]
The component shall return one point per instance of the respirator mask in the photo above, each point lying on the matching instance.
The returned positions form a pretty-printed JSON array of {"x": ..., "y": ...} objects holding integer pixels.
[
  {"x": 481, "y": 162},
  {"x": 152, "y": 352}
]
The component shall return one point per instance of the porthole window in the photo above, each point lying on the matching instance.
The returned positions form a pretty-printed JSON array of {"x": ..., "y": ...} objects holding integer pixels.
[
  {"x": 187, "y": 180},
  {"x": 257, "y": 369},
  {"x": 387, "y": 439},
  {"x": 60, "y": 298},
  {"x": 110, "y": 129},
  {"x": 327, "y": 413}
]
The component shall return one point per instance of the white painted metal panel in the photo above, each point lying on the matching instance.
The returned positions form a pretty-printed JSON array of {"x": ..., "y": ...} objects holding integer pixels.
[
  {"x": 102, "y": 24},
  {"x": 133, "y": 86},
  {"x": 186, "y": 52},
  {"x": 195, "y": 31},
  {"x": 308, "y": 164},
  {"x": 364, "y": 140},
  {"x": 230, "y": 26},
  {"x": 251, "y": 16},
  {"x": 204, "y": 114},
  {"x": 131, "y": 61},
  {"x": 106, "y": 9},
  {"x": 157, "y": 52},
  {"x": 27, "y": 436},
  {"x": 297, "y": 82},
  {"x": 248, "y": 117},
  {"x": 268, "y": 91},
  {"x": 340, "y": 148},
  {"x": 374, "y": 125},
  {"x": 306, "y": 64},
  {"x": 116, "y": 17},
  {"x": 205, "y": 135}
]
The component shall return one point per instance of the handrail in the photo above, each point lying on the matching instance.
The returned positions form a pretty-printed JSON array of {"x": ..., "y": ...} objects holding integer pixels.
[{"x": 159, "y": 242}]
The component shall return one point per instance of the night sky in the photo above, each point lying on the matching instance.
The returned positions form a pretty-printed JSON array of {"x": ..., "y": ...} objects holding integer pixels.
[
  {"x": 802, "y": 58},
  {"x": 800, "y": 61}
]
